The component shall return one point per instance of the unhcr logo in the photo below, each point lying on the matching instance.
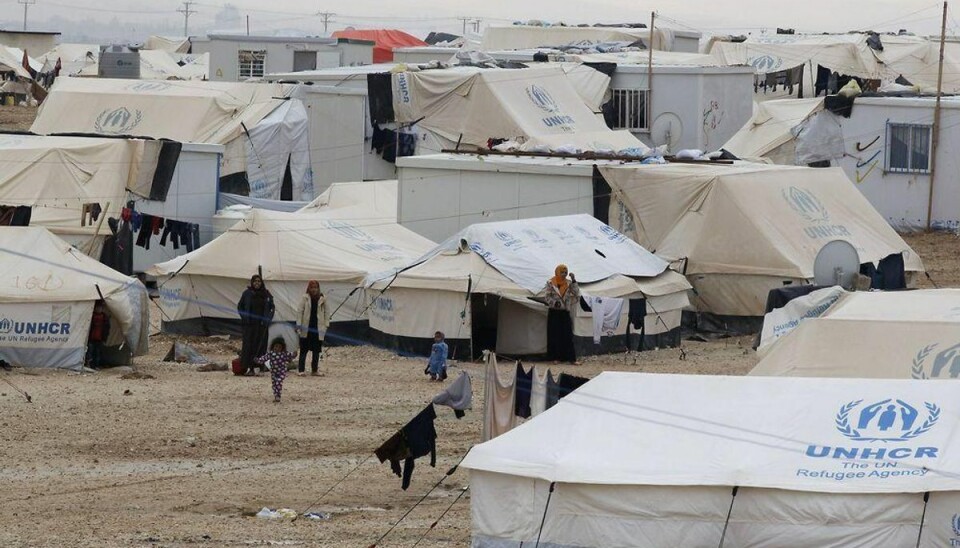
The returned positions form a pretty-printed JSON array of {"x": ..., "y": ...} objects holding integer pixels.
[
  {"x": 766, "y": 63},
  {"x": 6, "y": 326},
  {"x": 955, "y": 525},
  {"x": 806, "y": 204},
  {"x": 118, "y": 121},
  {"x": 946, "y": 363},
  {"x": 886, "y": 420},
  {"x": 542, "y": 99},
  {"x": 149, "y": 86}
]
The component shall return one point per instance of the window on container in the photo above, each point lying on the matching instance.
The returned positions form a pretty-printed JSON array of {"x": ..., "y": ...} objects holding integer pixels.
[
  {"x": 250, "y": 63},
  {"x": 908, "y": 148},
  {"x": 629, "y": 109}
]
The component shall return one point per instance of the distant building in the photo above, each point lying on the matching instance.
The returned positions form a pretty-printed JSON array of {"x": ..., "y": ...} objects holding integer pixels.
[
  {"x": 36, "y": 43},
  {"x": 239, "y": 57}
]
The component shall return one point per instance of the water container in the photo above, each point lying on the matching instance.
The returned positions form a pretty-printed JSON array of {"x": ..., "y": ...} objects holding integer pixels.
[
  {"x": 119, "y": 62},
  {"x": 227, "y": 217}
]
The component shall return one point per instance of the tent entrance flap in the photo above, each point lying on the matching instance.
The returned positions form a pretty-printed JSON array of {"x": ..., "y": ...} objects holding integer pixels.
[{"x": 484, "y": 311}]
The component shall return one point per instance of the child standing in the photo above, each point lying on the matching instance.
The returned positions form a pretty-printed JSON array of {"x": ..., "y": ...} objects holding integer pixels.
[
  {"x": 278, "y": 359},
  {"x": 437, "y": 366},
  {"x": 99, "y": 331}
]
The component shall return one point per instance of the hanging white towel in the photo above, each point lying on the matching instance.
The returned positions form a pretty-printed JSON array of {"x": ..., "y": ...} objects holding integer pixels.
[{"x": 606, "y": 315}]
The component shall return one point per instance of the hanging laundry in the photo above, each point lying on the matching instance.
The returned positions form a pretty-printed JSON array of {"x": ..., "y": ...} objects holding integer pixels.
[
  {"x": 458, "y": 396},
  {"x": 606, "y": 315},
  {"x": 524, "y": 384},
  {"x": 149, "y": 226},
  {"x": 379, "y": 140},
  {"x": 569, "y": 383},
  {"x": 538, "y": 390},
  {"x": 553, "y": 390},
  {"x": 499, "y": 398},
  {"x": 380, "y": 97},
  {"x": 166, "y": 165},
  {"x": 417, "y": 439}
]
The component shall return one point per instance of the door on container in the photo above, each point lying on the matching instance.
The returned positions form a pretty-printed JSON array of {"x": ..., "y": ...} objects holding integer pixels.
[{"x": 304, "y": 60}]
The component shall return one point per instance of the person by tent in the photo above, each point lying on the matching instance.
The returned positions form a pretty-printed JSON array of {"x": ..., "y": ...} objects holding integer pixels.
[
  {"x": 561, "y": 296},
  {"x": 437, "y": 366},
  {"x": 314, "y": 322},
  {"x": 256, "y": 311},
  {"x": 278, "y": 360},
  {"x": 99, "y": 331}
]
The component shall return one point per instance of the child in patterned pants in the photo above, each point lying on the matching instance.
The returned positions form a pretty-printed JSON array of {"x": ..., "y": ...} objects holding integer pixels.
[{"x": 278, "y": 360}]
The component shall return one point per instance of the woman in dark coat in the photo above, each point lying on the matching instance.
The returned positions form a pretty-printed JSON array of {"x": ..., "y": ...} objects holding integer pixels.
[{"x": 256, "y": 312}]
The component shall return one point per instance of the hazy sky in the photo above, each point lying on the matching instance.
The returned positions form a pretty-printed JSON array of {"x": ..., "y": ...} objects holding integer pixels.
[{"x": 420, "y": 16}]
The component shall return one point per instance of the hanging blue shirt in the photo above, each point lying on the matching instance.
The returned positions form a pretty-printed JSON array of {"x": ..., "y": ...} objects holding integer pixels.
[{"x": 438, "y": 358}]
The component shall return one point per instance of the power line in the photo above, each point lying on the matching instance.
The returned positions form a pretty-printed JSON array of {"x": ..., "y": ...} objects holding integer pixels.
[
  {"x": 187, "y": 11},
  {"x": 26, "y": 5},
  {"x": 326, "y": 17}
]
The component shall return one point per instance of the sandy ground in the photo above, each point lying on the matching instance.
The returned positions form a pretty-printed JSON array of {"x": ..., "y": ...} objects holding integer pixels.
[
  {"x": 185, "y": 458},
  {"x": 16, "y": 118}
]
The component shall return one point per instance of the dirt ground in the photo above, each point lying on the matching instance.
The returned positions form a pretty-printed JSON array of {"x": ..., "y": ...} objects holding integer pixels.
[{"x": 16, "y": 118}]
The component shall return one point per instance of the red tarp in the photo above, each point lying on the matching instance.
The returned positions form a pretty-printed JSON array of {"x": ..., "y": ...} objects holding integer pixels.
[{"x": 385, "y": 41}]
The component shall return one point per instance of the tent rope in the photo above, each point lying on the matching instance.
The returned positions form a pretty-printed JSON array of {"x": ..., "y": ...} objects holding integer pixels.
[
  {"x": 733, "y": 498},
  {"x": 423, "y": 498},
  {"x": 434, "y": 524},
  {"x": 335, "y": 485},
  {"x": 18, "y": 389},
  {"x": 546, "y": 507},
  {"x": 923, "y": 516}
]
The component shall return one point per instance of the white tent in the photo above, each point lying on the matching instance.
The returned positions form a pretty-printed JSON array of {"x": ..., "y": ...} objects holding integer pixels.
[
  {"x": 912, "y": 57},
  {"x": 475, "y": 287},
  {"x": 73, "y": 57},
  {"x": 47, "y": 302},
  {"x": 162, "y": 65},
  {"x": 262, "y": 128},
  {"x": 172, "y": 44},
  {"x": 632, "y": 459},
  {"x": 891, "y": 335},
  {"x": 534, "y": 106},
  {"x": 513, "y": 37},
  {"x": 772, "y": 131},
  {"x": 201, "y": 289},
  {"x": 56, "y": 176},
  {"x": 741, "y": 230}
]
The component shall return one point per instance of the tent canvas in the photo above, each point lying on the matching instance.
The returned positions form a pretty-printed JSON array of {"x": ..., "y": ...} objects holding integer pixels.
[
  {"x": 891, "y": 335},
  {"x": 56, "y": 176},
  {"x": 48, "y": 298},
  {"x": 771, "y": 130},
  {"x": 469, "y": 106},
  {"x": 289, "y": 249},
  {"x": 744, "y": 229},
  {"x": 654, "y": 457},
  {"x": 224, "y": 113},
  {"x": 505, "y": 263}
]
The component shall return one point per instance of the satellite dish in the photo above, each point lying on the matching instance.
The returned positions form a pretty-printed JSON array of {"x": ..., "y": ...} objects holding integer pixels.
[
  {"x": 667, "y": 130},
  {"x": 837, "y": 263}
]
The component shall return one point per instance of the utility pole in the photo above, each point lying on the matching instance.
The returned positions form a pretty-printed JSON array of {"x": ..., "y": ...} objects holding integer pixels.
[
  {"x": 326, "y": 17},
  {"x": 465, "y": 20},
  {"x": 248, "y": 25},
  {"x": 187, "y": 12},
  {"x": 26, "y": 4},
  {"x": 476, "y": 25},
  {"x": 936, "y": 119},
  {"x": 649, "y": 101}
]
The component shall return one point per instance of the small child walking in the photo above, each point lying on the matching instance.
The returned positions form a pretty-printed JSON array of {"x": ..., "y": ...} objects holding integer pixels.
[
  {"x": 278, "y": 359},
  {"x": 437, "y": 366}
]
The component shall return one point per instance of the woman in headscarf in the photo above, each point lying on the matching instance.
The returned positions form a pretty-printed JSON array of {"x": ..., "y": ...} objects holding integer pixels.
[
  {"x": 256, "y": 312},
  {"x": 312, "y": 325},
  {"x": 561, "y": 296}
]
